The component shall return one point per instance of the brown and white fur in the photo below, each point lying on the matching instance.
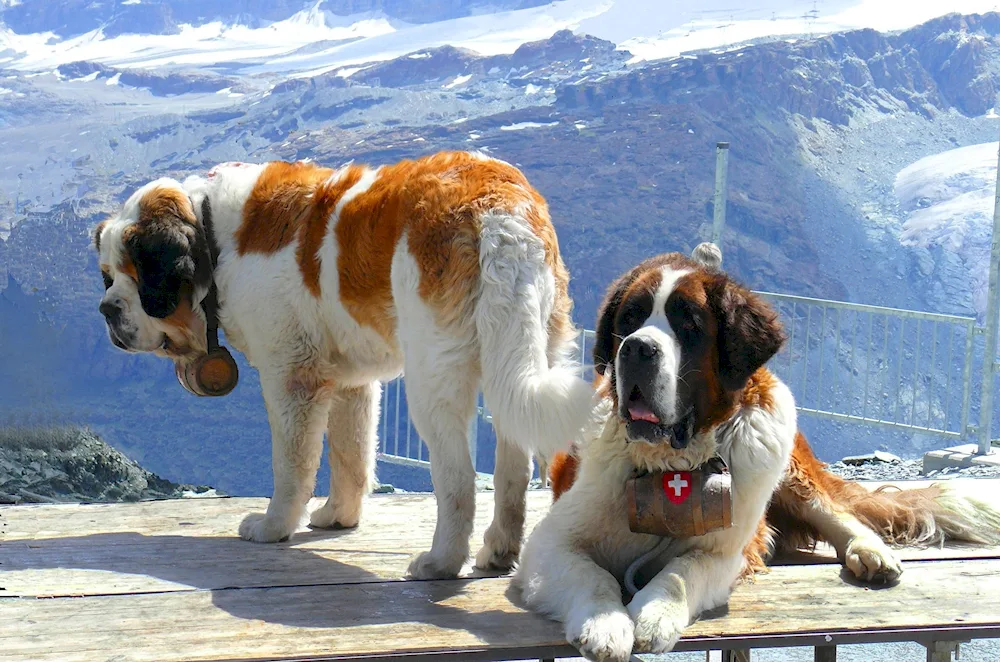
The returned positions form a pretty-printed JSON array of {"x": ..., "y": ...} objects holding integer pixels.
[
  {"x": 330, "y": 281},
  {"x": 681, "y": 348}
]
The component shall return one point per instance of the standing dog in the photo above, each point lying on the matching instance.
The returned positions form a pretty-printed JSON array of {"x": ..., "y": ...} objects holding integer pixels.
[
  {"x": 681, "y": 348},
  {"x": 330, "y": 281}
]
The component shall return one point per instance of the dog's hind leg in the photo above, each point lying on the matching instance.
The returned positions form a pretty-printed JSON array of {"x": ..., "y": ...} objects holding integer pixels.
[
  {"x": 440, "y": 391},
  {"x": 297, "y": 403},
  {"x": 352, "y": 439},
  {"x": 502, "y": 542},
  {"x": 813, "y": 503},
  {"x": 441, "y": 374}
]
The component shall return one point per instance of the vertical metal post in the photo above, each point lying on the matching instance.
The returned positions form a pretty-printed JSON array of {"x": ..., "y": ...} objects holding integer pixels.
[
  {"x": 719, "y": 202},
  {"x": 825, "y": 654},
  {"x": 992, "y": 310},
  {"x": 474, "y": 433}
]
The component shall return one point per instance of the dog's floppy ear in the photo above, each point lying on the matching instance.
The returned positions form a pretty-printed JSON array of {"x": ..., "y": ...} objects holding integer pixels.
[
  {"x": 97, "y": 235},
  {"x": 164, "y": 263},
  {"x": 604, "y": 341},
  {"x": 749, "y": 332}
]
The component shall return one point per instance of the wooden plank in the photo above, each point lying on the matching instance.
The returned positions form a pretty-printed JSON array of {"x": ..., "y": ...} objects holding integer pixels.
[
  {"x": 474, "y": 619},
  {"x": 105, "y": 549},
  {"x": 102, "y": 549}
]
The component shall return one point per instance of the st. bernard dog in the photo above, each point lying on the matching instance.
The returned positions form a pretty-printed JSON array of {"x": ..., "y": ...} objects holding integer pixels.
[
  {"x": 681, "y": 349},
  {"x": 329, "y": 281}
]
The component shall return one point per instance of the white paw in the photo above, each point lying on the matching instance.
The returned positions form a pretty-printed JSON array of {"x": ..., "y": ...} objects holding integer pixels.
[
  {"x": 493, "y": 559},
  {"x": 257, "y": 527},
  {"x": 335, "y": 516},
  {"x": 604, "y": 637},
  {"x": 498, "y": 553},
  {"x": 427, "y": 565},
  {"x": 659, "y": 622},
  {"x": 871, "y": 559}
]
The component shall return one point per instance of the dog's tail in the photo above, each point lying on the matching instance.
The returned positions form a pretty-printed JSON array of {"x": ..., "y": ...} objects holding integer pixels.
[
  {"x": 956, "y": 509},
  {"x": 526, "y": 337}
]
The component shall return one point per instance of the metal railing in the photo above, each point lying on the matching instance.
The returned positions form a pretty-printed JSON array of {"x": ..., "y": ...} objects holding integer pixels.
[
  {"x": 903, "y": 369},
  {"x": 875, "y": 365}
]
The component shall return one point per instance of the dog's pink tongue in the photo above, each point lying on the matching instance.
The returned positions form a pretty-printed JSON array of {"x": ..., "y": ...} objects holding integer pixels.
[{"x": 640, "y": 412}]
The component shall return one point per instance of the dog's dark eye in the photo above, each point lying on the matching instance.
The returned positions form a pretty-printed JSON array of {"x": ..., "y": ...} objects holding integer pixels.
[
  {"x": 685, "y": 318},
  {"x": 107, "y": 279},
  {"x": 632, "y": 317}
]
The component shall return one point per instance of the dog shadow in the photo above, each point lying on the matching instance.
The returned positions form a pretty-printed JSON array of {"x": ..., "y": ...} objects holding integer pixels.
[{"x": 279, "y": 583}]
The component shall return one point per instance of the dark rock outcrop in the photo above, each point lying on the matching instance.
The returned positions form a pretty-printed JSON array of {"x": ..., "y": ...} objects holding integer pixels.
[{"x": 69, "y": 465}]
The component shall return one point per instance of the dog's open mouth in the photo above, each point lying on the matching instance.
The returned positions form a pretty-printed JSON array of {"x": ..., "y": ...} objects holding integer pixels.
[{"x": 645, "y": 423}]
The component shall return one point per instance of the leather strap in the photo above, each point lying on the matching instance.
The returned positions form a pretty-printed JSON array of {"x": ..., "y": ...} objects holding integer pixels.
[{"x": 210, "y": 304}]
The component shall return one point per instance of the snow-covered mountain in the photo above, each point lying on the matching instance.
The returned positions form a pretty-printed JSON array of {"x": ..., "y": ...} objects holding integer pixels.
[
  {"x": 948, "y": 201},
  {"x": 296, "y": 37}
]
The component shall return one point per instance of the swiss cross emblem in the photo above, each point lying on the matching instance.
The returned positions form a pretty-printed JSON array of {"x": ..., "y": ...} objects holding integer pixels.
[{"x": 677, "y": 486}]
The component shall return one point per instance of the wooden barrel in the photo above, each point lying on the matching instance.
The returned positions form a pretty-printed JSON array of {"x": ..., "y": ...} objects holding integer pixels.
[
  {"x": 681, "y": 504},
  {"x": 212, "y": 375}
]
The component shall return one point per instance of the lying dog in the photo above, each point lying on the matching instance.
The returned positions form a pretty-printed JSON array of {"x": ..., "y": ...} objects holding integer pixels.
[
  {"x": 330, "y": 281},
  {"x": 681, "y": 349}
]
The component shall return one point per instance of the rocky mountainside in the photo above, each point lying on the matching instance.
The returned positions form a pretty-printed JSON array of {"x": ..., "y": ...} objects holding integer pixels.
[
  {"x": 71, "y": 465},
  {"x": 819, "y": 130}
]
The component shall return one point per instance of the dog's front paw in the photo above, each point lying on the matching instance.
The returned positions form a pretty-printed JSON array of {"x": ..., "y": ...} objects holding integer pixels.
[
  {"x": 659, "y": 623},
  {"x": 428, "y": 565},
  {"x": 261, "y": 528},
  {"x": 871, "y": 560},
  {"x": 606, "y": 637}
]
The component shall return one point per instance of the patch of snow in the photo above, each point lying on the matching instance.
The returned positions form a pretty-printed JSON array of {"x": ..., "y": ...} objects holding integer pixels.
[
  {"x": 419, "y": 56},
  {"x": 314, "y": 41},
  {"x": 132, "y": 2},
  {"x": 208, "y": 494},
  {"x": 520, "y": 126},
  {"x": 225, "y": 90},
  {"x": 530, "y": 89},
  {"x": 459, "y": 80},
  {"x": 949, "y": 201},
  {"x": 580, "y": 125},
  {"x": 992, "y": 114},
  {"x": 85, "y": 79},
  {"x": 474, "y": 136},
  {"x": 114, "y": 79}
]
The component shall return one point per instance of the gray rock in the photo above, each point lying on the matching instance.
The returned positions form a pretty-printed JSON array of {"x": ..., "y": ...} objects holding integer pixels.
[
  {"x": 870, "y": 458},
  {"x": 64, "y": 465}
]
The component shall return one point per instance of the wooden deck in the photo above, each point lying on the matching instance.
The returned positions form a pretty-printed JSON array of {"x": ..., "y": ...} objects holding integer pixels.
[{"x": 169, "y": 580}]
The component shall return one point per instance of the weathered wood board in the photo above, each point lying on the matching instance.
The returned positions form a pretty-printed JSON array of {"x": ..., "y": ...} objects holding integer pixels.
[
  {"x": 73, "y": 549},
  {"x": 395, "y": 619}
]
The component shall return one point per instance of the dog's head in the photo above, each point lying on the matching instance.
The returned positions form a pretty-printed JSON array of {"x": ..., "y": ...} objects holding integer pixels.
[
  {"x": 156, "y": 267},
  {"x": 677, "y": 341}
]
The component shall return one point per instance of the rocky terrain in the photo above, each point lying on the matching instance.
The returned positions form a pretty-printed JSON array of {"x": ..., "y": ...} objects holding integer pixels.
[{"x": 54, "y": 465}]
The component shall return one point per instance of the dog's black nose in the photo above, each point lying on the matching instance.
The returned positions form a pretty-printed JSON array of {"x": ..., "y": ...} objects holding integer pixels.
[
  {"x": 111, "y": 309},
  {"x": 638, "y": 349}
]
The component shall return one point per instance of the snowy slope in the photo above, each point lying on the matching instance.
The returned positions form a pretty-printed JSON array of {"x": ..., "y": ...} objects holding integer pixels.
[
  {"x": 949, "y": 200},
  {"x": 313, "y": 41}
]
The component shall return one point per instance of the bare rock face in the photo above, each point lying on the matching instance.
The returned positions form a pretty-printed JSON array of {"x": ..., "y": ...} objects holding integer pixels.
[{"x": 72, "y": 465}]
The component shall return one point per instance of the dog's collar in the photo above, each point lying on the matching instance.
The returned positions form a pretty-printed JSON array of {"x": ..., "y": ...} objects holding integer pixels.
[{"x": 210, "y": 304}]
